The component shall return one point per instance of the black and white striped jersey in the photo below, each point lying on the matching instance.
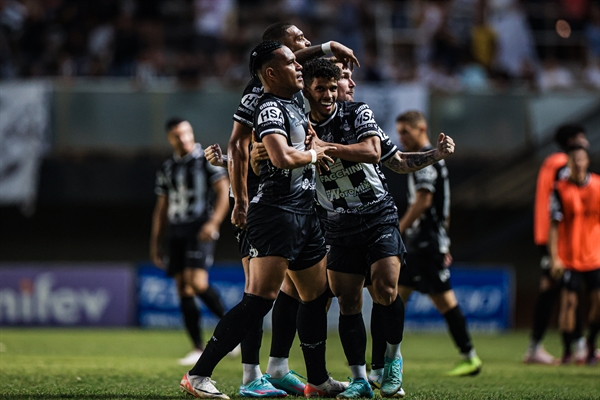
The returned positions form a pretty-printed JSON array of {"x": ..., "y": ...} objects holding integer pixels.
[
  {"x": 288, "y": 189},
  {"x": 351, "y": 190},
  {"x": 187, "y": 183},
  {"x": 428, "y": 233},
  {"x": 245, "y": 116}
]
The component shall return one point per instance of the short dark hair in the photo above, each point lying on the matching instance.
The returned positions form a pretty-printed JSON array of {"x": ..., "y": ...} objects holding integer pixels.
[
  {"x": 276, "y": 31},
  {"x": 320, "y": 68},
  {"x": 566, "y": 132},
  {"x": 262, "y": 54},
  {"x": 411, "y": 118},
  {"x": 173, "y": 122},
  {"x": 574, "y": 147}
]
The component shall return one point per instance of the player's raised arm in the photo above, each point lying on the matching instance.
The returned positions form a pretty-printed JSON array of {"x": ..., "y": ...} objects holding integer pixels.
[
  {"x": 403, "y": 163},
  {"x": 341, "y": 52}
]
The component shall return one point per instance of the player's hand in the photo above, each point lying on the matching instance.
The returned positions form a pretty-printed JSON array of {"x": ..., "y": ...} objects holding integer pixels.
[
  {"x": 238, "y": 215},
  {"x": 214, "y": 155},
  {"x": 209, "y": 232},
  {"x": 321, "y": 148},
  {"x": 259, "y": 152},
  {"x": 557, "y": 269},
  {"x": 445, "y": 146},
  {"x": 345, "y": 55},
  {"x": 447, "y": 260},
  {"x": 156, "y": 256}
]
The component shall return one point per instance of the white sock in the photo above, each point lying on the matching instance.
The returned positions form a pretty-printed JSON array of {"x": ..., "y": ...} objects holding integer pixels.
[
  {"x": 392, "y": 351},
  {"x": 376, "y": 372},
  {"x": 470, "y": 355},
  {"x": 251, "y": 372},
  {"x": 278, "y": 367},
  {"x": 359, "y": 371}
]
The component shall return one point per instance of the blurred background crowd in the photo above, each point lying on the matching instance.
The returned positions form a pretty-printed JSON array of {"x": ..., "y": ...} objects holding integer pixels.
[{"x": 450, "y": 45}]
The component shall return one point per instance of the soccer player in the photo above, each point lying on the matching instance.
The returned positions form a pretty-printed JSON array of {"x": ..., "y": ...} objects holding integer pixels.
[
  {"x": 244, "y": 185},
  {"x": 283, "y": 228},
  {"x": 185, "y": 185},
  {"x": 424, "y": 226},
  {"x": 554, "y": 168},
  {"x": 360, "y": 222},
  {"x": 573, "y": 247}
]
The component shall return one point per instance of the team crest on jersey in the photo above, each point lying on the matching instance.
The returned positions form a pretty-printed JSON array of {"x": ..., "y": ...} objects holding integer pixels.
[
  {"x": 270, "y": 114},
  {"x": 250, "y": 100}
]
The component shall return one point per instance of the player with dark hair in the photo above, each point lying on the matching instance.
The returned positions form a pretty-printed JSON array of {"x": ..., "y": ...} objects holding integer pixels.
[
  {"x": 283, "y": 229},
  {"x": 553, "y": 169},
  {"x": 244, "y": 185},
  {"x": 360, "y": 222},
  {"x": 573, "y": 247},
  {"x": 424, "y": 227},
  {"x": 185, "y": 186}
]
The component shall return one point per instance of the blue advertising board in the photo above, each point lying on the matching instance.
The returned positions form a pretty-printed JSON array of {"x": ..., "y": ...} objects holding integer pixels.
[
  {"x": 485, "y": 295},
  {"x": 158, "y": 302},
  {"x": 66, "y": 294}
]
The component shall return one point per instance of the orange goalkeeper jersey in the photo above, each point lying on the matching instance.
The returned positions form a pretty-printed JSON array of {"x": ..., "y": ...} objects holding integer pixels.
[
  {"x": 577, "y": 208},
  {"x": 545, "y": 183}
]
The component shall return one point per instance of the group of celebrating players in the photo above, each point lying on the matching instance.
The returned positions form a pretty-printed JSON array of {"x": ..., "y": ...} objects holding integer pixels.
[
  {"x": 314, "y": 220},
  {"x": 297, "y": 255}
]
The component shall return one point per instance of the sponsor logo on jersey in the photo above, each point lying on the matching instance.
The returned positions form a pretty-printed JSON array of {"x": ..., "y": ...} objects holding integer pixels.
[
  {"x": 364, "y": 118},
  {"x": 270, "y": 115},
  {"x": 249, "y": 101}
]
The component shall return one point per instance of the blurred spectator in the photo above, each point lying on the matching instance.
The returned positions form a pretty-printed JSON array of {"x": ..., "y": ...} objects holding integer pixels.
[
  {"x": 483, "y": 39},
  {"x": 591, "y": 74},
  {"x": 554, "y": 76},
  {"x": 592, "y": 33},
  {"x": 515, "y": 53},
  {"x": 126, "y": 46}
]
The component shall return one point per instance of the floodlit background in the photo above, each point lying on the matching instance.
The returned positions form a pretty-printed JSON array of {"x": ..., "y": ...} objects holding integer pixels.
[{"x": 86, "y": 85}]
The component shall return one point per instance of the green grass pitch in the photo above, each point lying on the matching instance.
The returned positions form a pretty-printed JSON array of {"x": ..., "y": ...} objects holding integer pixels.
[{"x": 141, "y": 364}]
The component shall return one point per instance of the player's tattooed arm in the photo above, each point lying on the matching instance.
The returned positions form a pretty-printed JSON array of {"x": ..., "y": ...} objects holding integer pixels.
[{"x": 404, "y": 163}]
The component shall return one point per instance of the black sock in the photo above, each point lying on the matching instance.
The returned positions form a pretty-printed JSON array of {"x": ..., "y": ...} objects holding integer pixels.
[
  {"x": 593, "y": 328},
  {"x": 378, "y": 345},
  {"x": 191, "y": 320},
  {"x": 230, "y": 331},
  {"x": 457, "y": 325},
  {"x": 251, "y": 344},
  {"x": 285, "y": 311},
  {"x": 211, "y": 298},
  {"x": 353, "y": 336},
  {"x": 543, "y": 312},
  {"x": 312, "y": 331},
  {"x": 567, "y": 339},
  {"x": 393, "y": 315},
  {"x": 578, "y": 332}
]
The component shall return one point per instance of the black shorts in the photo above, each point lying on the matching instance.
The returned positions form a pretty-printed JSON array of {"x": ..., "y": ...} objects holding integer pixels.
[
  {"x": 574, "y": 281},
  {"x": 354, "y": 254},
  {"x": 426, "y": 273},
  {"x": 241, "y": 235},
  {"x": 188, "y": 252},
  {"x": 295, "y": 237}
]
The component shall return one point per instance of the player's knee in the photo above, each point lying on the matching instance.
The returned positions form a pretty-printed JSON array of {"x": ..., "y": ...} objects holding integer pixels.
[
  {"x": 350, "y": 305},
  {"x": 384, "y": 294}
]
